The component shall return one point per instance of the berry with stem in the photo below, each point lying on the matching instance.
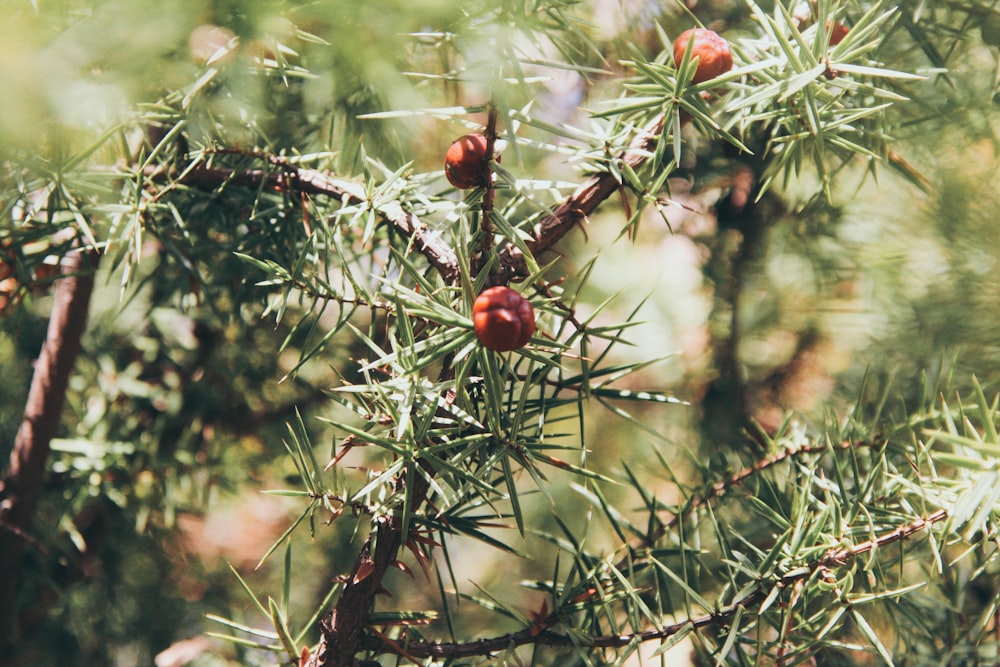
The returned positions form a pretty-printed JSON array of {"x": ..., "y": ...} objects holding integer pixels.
[{"x": 464, "y": 162}]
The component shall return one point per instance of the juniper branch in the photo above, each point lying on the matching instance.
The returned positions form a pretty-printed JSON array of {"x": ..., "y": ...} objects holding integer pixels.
[
  {"x": 836, "y": 557},
  {"x": 311, "y": 181},
  {"x": 720, "y": 488},
  {"x": 573, "y": 211},
  {"x": 342, "y": 634}
]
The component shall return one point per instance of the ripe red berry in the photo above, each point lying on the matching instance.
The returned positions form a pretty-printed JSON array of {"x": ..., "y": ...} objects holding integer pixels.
[
  {"x": 838, "y": 31},
  {"x": 465, "y": 161},
  {"x": 503, "y": 319},
  {"x": 709, "y": 49}
]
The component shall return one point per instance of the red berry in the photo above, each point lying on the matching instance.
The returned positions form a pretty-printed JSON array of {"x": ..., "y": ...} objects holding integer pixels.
[
  {"x": 710, "y": 51},
  {"x": 838, "y": 31},
  {"x": 503, "y": 319},
  {"x": 465, "y": 161}
]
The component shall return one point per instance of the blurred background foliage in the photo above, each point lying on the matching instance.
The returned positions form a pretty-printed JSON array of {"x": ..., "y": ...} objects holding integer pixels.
[{"x": 178, "y": 409}]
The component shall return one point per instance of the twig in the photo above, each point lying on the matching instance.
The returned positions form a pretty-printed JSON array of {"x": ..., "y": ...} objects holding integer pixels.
[
  {"x": 22, "y": 481},
  {"x": 834, "y": 558},
  {"x": 341, "y": 633},
  {"x": 572, "y": 211},
  {"x": 310, "y": 181},
  {"x": 489, "y": 197},
  {"x": 840, "y": 556},
  {"x": 577, "y": 207},
  {"x": 719, "y": 489}
]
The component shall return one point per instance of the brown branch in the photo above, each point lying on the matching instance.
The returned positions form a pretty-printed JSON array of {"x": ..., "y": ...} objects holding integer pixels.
[
  {"x": 719, "y": 489},
  {"x": 577, "y": 207},
  {"x": 546, "y": 638},
  {"x": 22, "y": 481},
  {"x": 489, "y": 178},
  {"x": 834, "y": 558},
  {"x": 572, "y": 211},
  {"x": 341, "y": 634},
  {"x": 310, "y": 181}
]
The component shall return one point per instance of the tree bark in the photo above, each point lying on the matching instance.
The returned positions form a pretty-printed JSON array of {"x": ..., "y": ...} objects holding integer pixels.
[
  {"x": 21, "y": 483},
  {"x": 342, "y": 632}
]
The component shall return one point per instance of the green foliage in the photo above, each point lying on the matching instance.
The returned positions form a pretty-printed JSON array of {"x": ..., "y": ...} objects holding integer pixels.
[{"x": 284, "y": 306}]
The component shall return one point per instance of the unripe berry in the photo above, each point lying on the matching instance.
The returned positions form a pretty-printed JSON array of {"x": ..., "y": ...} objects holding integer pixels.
[
  {"x": 465, "y": 161},
  {"x": 709, "y": 50},
  {"x": 146, "y": 488},
  {"x": 990, "y": 29},
  {"x": 503, "y": 319}
]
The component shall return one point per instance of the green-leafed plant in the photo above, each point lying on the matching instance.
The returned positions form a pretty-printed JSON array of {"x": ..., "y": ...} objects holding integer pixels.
[{"x": 285, "y": 279}]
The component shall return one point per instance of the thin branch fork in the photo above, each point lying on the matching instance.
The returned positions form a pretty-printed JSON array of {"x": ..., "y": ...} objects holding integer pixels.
[
  {"x": 720, "y": 488},
  {"x": 310, "y": 181},
  {"x": 834, "y": 558}
]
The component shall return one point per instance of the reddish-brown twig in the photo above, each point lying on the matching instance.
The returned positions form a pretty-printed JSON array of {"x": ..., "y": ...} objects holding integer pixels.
[
  {"x": 834, "y": 558},
  {"x": 310, "y": 181},
  {"x": 22, "y": 481},
  {"x": 576, "y": 208}
]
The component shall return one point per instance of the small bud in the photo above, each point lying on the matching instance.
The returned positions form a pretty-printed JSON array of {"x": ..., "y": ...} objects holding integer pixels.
[{"x": 990, "y": 29}]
